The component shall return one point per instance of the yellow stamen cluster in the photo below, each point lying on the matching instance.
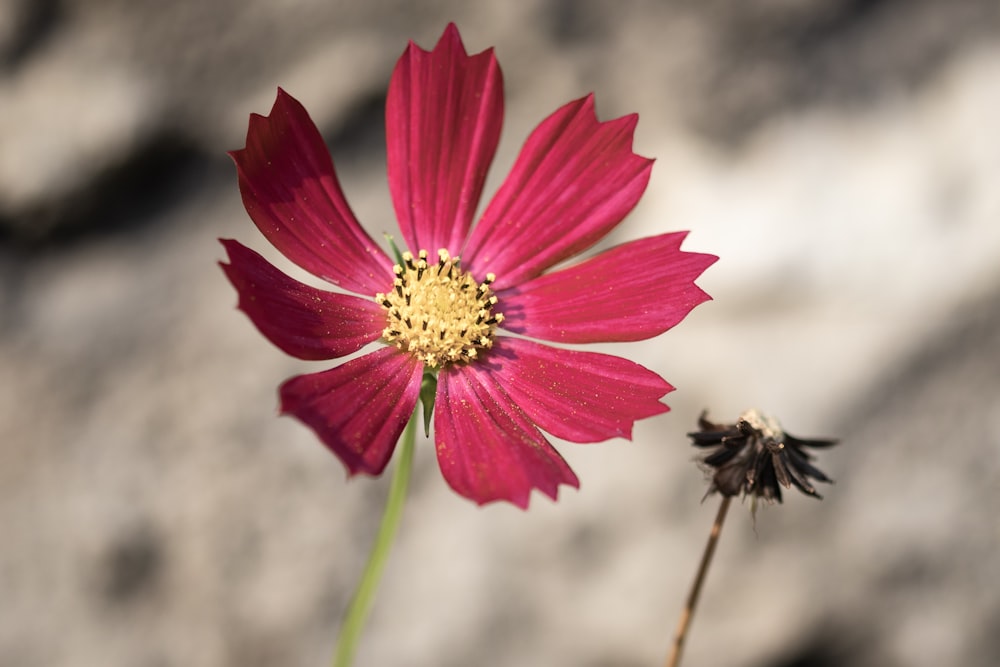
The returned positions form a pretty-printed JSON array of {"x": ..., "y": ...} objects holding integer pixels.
[{"x": 438, "y": 312}]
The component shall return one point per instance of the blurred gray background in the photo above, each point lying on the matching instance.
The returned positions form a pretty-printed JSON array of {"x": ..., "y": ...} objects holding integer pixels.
[{"x": 843, "y": 160}]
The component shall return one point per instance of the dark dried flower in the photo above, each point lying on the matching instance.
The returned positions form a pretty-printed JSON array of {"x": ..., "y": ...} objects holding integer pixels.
[{"x": 756, "y": 457}]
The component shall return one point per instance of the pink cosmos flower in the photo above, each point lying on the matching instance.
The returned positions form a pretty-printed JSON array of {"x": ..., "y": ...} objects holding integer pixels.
[{"x": 441, "y": 309}]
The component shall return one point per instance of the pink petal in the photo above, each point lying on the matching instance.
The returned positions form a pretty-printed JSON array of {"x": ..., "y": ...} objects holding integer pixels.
[
  {"x": 291, "y": 192},
  {"x": 301, "y": 320},
  {"x": 631, "y": 292},
  {"x": 358, "y": 409},
  {"x": 575, "y": 179},
  {"x": 443, "y": 118},
  {"x": 487, "y": 449},
  {"x": 576, "y": 396}
]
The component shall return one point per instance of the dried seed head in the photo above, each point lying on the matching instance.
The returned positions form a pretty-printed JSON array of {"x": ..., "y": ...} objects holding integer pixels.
[{"x": 755, "y": 457}]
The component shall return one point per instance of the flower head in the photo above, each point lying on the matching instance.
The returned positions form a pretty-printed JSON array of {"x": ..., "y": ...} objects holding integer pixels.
[
  {"x": 756, "y": 457},
  {"x": 439, "y": 309}
]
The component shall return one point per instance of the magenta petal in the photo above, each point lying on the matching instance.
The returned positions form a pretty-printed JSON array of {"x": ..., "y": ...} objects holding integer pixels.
[
  {"x": 305, "y": 322},
  {"x": 576, "y": 396},
  {"x": 292, "y": 194},
  {"x": 631, "y": 292},
  {"x": 443, "y": 118},
  {"x": 358, "y": 409},
  {"x": 487, "y": 449},
  {"x": 575, "y": 179}
]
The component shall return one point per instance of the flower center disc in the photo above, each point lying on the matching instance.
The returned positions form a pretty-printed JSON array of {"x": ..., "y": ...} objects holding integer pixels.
[{"x": 438, "y": 312}]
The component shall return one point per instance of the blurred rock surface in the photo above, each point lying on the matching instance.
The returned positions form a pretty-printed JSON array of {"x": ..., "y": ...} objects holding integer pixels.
[{"x": 838, "y": 156}]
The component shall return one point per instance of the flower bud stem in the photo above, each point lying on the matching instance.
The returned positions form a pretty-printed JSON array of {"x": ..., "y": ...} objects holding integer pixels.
[
  {"x": 682, "y": 627},
  {"x": 357, "y": 613}
]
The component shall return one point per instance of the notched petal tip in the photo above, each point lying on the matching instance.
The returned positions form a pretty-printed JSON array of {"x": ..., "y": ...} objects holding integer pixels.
[
  {"x": 488, "y": 450},
  {"x": 291, "y": 192},
  {"x": 575, "y": 179},
  {"x": 451, "y": 38},
  {"x": 358, "y": 409},
  {"x": 630, "y": 292},
  {"x": 575, "y": 395},
  {"x": 444, "y": 110},
  {"x": 626, "y": 124},
  {"x": 523, "y": 501},
  {"x": 305, "y": 322}
]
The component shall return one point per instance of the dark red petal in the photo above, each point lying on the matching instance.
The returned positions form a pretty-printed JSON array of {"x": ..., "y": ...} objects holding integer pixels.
[
  {"x": 631, "y": 292},
  {"x": 305, "y": 322},
  {"x": 576, "y": 396},
  {"x": 575, "y": 179},
  {"x": 358, "y": 409},
  {"x": 443, "y": 118},
  {"x": 291, "y": 192},
  {"x": 487, "y": 448}
]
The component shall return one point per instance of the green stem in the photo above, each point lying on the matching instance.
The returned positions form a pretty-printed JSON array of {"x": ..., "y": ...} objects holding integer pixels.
[{"x": 357, "y": 612}]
